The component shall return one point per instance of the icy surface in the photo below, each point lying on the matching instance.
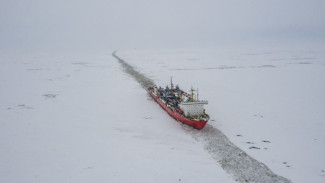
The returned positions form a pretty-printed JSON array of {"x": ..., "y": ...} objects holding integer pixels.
[
  {"x": 268, "y": 101},
  {"x": 68, "y": 118},
  {"x": 83, "y": 119},
  {"x": 235, "y": 161}
]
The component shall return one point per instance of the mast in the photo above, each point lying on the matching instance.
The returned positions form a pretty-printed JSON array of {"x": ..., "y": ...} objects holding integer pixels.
[
  {"x": 171, "y": 82},
  {"x": 197, "y": 95},
  {"x": 192, "y": 94}
]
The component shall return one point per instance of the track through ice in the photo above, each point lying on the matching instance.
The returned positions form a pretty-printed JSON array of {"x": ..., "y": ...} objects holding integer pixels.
[
  {"x": 144, "y": 81},
  {"x": 232, "y": 159}
]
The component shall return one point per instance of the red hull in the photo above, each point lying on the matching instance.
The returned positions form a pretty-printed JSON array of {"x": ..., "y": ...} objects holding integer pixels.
[{"x": 194, "y": 123}]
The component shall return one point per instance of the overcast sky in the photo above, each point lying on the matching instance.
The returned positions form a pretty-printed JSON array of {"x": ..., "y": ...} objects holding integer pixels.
[{"x": 74, "y": 24}]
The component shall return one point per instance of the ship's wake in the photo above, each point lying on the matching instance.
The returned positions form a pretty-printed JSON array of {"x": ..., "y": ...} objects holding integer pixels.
[
  {"x": 144, "y": 81},
  {"x": 232, "y": 159}
]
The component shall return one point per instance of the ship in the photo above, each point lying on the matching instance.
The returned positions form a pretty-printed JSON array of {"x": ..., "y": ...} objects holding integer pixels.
[{"x": 180, "y": 105}]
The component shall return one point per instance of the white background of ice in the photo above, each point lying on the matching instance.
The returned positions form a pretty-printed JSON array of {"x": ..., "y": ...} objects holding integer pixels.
[
  {"x": 100, "y": 126},
  {"x": 256, "y": 95}
]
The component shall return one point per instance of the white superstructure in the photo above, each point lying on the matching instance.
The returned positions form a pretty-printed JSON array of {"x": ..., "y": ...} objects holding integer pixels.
[{"x": 193, "y": 108}]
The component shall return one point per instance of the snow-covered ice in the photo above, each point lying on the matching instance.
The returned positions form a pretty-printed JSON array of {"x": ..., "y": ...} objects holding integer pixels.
[
  {"x": 269, "y": 102},
  {"x": 236, "y": 162},
  {"x": 82, "y": 119}
]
